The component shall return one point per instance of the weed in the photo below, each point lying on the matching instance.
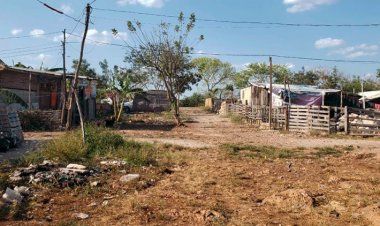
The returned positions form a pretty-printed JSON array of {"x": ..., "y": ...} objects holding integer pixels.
[
  {"x": 327, "y": 151},
  {"x": 260, "y": 152}
]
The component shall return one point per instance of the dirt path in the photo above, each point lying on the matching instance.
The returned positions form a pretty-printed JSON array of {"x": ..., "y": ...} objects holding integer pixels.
[{"x": 211, "y": 130}]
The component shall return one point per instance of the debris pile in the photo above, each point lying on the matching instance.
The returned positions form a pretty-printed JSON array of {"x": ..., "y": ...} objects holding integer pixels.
[{"x": 49, "y": 172}]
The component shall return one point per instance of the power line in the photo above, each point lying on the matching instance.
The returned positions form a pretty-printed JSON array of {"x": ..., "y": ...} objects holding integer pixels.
[
  {"x": 255, "y": 55},
  {"x": 289, "y": 57},
  {"x": 58, "y": 11},
  {"x": 21, "y": 48},
  {"x": 28, "y": 36},
  {"x": 28, "y": 50},
  {"x": 244, "y": 22},
  {"x": 32, "y": 53}
]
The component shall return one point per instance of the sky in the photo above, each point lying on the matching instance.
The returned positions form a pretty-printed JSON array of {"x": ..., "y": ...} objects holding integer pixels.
[{"x": 31, "y": 33}]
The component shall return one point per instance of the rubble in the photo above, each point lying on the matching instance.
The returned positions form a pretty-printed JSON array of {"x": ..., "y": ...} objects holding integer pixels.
[{"x": 48, "y": 172}]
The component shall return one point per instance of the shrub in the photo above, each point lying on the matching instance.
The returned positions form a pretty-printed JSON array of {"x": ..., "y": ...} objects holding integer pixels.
[
  {"x": 100, "y": 142},
  {"x": 195, "y": 100}
]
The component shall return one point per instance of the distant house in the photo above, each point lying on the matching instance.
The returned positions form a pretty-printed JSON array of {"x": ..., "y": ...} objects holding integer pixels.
[
  {"x": 151, "y": 101},
  {"x": 303, "y": 95},
  {"x": 42, "y": 90}
]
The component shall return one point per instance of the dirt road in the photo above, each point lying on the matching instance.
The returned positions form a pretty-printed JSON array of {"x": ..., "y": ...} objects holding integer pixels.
[{"x": 211, "y": 130}]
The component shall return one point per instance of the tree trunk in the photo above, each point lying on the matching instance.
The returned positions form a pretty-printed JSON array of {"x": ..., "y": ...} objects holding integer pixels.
[
  {"x": 120, "y": 110},
  {"x": 176, "y": 111}
]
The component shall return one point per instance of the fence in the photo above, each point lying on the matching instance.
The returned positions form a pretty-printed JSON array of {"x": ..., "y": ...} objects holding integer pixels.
[
  {"x": 359, "y": 122},
  {"x": 295, "y": 118},
  {"x": 257, "y": 114},
  {"x": 312, "y": 118}
]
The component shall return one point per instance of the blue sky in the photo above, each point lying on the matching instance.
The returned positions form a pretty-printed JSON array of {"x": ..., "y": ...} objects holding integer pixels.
[{"x": 28, "y": 17}]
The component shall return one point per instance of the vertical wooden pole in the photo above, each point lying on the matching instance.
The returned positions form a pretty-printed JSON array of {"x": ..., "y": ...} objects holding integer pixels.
[
  {"x": 271, "y": 91},
  {"x": 346, "y": 121},
  {"x": 362, "y": 83},
  {"x": 30, "y": 90},
  {"x": 63, "y": 85},
  {"x": 74, "y": 84}
]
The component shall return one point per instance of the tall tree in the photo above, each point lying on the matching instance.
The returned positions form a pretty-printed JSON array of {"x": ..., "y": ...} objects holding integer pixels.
[
  {"x": 214, "y": 72},
  {"x": 166, "y": 52}
]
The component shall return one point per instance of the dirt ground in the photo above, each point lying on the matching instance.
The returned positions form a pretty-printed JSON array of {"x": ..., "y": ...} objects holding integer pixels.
[{"x": 207, "y": 185}]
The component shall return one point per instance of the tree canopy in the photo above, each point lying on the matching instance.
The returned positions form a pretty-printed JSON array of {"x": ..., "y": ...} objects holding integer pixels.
[{"x": 214, "y": 72}]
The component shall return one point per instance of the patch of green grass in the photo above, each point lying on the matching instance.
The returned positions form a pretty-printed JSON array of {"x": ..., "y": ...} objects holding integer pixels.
[
  {"x": 267, "y": 152},
  {"x": 327, "y": 151},
  {"x": 100, "y": 142}
]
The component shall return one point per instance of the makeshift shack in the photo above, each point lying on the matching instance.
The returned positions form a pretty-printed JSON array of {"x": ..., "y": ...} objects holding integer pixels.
[
  {"x": 151, "y": 101},
  {"x": 301, "y": 95}
]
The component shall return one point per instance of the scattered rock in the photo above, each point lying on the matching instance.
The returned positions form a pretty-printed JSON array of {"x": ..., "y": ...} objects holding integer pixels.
[
  {"x": 81, "y": 216},
  {"x": 167, "y": 171},
  {"x": 291, "y": 200},
  {"x": 105, "y": 203},
  {"x": 12, "y": 196},
  {"x": 129, "y": 177},
  {"x": 76, "y": 166},
  {"x": 365, "y": 155},
  {"x": 113, "y": 163},
  {"x": 95, "y": 184}
]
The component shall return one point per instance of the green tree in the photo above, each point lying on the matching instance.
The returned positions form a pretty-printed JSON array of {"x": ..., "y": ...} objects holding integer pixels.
[
  {"x": 85, "y": 68},
  {"x": 166, "y": 52},
  {"x": 214, "y": 73},
  {"x": 330, "y": 80},
  {"x": 305, "y": 78},
  {"x": 195, "y": 100},
  {"x": 259, "y": 72}
]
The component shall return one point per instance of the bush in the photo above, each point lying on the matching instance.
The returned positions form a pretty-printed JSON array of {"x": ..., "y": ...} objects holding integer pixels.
[
  {"x": 195, "y": 100},
  {"x": 100, "y": 142},
  {"x": 33, "y": 121}
]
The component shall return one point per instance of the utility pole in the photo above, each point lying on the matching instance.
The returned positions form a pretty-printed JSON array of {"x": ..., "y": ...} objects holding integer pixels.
[
  {"x": 271, "y": 91},
  {"x": 73, "y": 88},
  {"x": 63, "y": 82}
]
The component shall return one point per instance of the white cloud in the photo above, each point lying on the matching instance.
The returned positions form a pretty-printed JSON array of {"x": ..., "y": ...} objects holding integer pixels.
[
  {"x": 67, "y": 9},
  {"x": 146, "y": 3},
  {"x": 37, "y": 33},
  {"x": 16, "y": 31},
  {"x": 328, "y": 43},
  {"x": 290, "y": 65},
  {"x": 358, "y": 51},
  {"x": 297, "y": 6}
]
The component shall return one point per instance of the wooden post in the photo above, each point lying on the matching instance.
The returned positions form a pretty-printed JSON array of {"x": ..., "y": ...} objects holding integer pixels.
[
  {"x": 30, "y": 91},
  {"x": 329, "y": 119},
  {"x": 346, "y": 121},
  {"x": 271, "y": 91},
  {"x": 74, "y": 85},
  {"x": 362, "y": 83},
  {"x": 63, "y": 82}
]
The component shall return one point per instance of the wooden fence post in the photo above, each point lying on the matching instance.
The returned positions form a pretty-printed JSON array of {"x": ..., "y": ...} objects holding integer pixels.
[
  {"x": 329, "y": 119},
  {"x": 346, "y": 121}
]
